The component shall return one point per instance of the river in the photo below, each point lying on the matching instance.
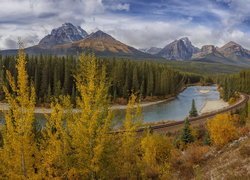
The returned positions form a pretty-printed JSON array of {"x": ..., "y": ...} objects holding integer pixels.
[
  {"x": 176, "y": 109},
  {"x": 179, "y": 108}
]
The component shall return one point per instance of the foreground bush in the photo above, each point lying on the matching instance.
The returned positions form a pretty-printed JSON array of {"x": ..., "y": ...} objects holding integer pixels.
[{"x": 222, "y": 129}]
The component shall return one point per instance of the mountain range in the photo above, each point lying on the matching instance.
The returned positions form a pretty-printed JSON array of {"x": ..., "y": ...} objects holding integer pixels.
[{"x": 70, "y": 39}]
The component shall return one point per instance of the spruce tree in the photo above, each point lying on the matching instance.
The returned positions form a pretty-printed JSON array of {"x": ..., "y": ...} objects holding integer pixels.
[
  {"x": 193, "y": 112},
  {"x": 187, "y": 136}
]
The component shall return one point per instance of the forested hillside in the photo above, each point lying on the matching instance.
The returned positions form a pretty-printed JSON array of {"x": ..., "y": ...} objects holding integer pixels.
[
  {"x": 235, "y": 83},
  {"x": 53, "y": 76}
]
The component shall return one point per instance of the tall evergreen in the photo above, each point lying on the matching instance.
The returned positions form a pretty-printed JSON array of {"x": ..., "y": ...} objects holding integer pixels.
[
  {"x": 193, "y": 112},
  {"x": 187, "y": 136}
]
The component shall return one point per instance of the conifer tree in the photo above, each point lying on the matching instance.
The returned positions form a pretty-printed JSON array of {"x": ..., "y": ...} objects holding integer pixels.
[
  {"x": 55, "y": 145},
  {"x": 128, "y": 163},
  {"x": 193, "y": 112},
  {"x": 19, "y": 151},
  {"x": 187, "y": 136},
  {"x": 90, "y": 127}
]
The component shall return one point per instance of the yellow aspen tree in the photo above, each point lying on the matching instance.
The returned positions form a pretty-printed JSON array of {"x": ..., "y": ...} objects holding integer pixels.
[
  {"x": 90, "y": 128},
  {"x": 221, "y": 129},
  {"x": 55, "y": 145},
  {"x": 128, "y": 160},
  {"x": 19, "y": 150}
]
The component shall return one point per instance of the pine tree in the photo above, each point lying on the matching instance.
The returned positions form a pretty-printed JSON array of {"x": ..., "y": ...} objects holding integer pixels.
[
  {"x": 193, "y": 112},
  {"x": 19, "y": 151},
  {"x": 187, "y": 136}
]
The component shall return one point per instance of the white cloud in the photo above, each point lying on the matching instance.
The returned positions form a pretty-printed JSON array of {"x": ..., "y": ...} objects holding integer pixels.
[
  {"x": 33, "y": 19},
  {"x": 119, "y": 6}
]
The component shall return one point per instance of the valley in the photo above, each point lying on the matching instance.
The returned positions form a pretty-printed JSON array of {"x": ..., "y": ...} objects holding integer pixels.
[{"x": 124, "y": 90}]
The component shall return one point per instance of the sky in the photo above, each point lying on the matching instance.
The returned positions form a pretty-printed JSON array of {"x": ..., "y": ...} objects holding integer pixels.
[{"x": 138, "y": 23}]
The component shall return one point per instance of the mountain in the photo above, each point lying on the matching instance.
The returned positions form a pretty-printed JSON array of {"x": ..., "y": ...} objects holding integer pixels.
[
  {"x": 102, "y": 44},
  {"x": 152, "y": 50},
  {"x": 64, "y": 34},
  {"x": 231, "y": 53},
  {"x": 232, "y": 50},
  {"x": 181, "y": 49},
  {"x": 70, "y": 39},
  {"x": 208, "y": 53}
]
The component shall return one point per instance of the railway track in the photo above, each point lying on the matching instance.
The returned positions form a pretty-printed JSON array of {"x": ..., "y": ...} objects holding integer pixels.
[{"x": 171, "y": 127}]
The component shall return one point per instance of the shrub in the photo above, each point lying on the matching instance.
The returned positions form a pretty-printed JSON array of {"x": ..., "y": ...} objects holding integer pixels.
[
  {"x": 195, "y": 153},
  {"x": 222, "y": 129}
]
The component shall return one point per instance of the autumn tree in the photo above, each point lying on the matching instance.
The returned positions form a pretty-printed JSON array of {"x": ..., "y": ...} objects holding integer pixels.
[
  {"x": 90, "y": 127},
  {"x": 19, "y": 153},
  {"x": 128, "y": 161},
  {"x": 221, "y": 129},
  {"x": 55, "y": 143}
]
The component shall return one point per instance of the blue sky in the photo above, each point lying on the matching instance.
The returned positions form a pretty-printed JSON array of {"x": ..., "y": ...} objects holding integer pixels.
[{"x": 139, "y": 23}]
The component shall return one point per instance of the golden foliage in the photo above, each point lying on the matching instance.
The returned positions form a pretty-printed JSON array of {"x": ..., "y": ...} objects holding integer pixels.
[
  {"x": 90, "y": 127},
  {"x": 156, "y": 154},
  {"x": 55, "y": 145},
  {"x": 128, "y": 163},
  {"x": 221, "y": 129},
  {"x": 19, "y": 153}
]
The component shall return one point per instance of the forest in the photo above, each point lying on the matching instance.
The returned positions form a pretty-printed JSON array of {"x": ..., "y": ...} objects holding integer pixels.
[
  {"x": 234, "y": 83},
  {"x": 53, "y": 76},
  {"x": 84, "y": 145}
]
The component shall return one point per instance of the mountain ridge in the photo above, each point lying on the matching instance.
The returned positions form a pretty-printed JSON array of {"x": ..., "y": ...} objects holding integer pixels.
[{"x": 70, "y": 39}]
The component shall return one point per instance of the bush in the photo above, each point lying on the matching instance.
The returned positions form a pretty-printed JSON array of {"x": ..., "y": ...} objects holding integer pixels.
[
  {"x": 222, "y": 129},
  {"x": 195, "y": 153}
]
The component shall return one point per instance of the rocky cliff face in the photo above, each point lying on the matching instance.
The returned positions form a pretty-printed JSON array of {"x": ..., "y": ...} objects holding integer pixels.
[
  {"x": 233, "y": 49},
  {"x": 181, "y": 49},
  {"x": 67, "y": 33},
  {"x": 207, "y": 50}
]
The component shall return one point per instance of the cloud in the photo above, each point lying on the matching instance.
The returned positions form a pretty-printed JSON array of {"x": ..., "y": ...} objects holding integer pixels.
[
  {"x": 140, "y": 23},
  {"x": 119, "y": 6}
]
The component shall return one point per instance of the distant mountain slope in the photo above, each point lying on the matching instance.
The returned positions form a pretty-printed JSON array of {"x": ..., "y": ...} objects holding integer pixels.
[
  {"x": 65, "y": 34},
  {"x": 231, "y": 53},
  {"x": 152, "y": 50},
  {"x": 70, "y": 39},
  {"x": 102, "y": 44},
  {"x": 181, "y": 49}
]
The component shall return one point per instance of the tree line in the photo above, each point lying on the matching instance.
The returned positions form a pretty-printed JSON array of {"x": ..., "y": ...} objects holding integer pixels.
[
  {"x": 234, "y": 83},
  {"x": 53, "y": 76}
]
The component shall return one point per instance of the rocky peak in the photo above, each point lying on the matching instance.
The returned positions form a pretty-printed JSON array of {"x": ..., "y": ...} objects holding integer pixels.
[
  {"x": 66, "y": 33},
  {"x": 100, "y": 35},
  {"x": 234, "y": 49},
  {"x": 181, "y": 49},
  {"x": 208, "y": 49}
]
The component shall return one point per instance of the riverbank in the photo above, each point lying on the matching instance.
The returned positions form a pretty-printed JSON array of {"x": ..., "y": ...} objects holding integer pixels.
[
  {"x": 146, "y": 102},
  {"x": 43, "y": 110},
  {"x": 213, "y": 106}
]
